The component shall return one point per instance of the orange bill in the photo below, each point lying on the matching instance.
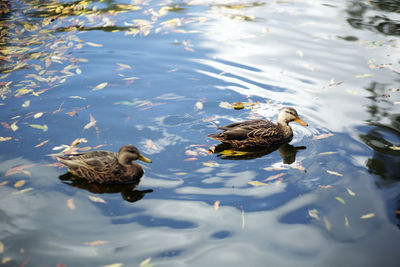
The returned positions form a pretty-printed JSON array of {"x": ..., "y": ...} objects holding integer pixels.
[{"x": 300, "y": 122}]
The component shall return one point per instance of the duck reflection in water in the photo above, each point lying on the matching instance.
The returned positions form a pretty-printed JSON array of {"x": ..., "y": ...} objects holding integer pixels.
[
  {"x": 286, "y": 151},
  {"x": 128, "y": 191}
]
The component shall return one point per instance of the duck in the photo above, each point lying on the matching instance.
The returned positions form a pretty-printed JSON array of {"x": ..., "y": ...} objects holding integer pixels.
[
  {"x": 259, "y": 133},
  {"x": 106, "y": 167}
]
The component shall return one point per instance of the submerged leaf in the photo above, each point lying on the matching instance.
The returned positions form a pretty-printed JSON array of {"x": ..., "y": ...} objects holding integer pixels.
[
  {"x": 91, "y": 123},
  {"x": 328, "y": 224},
  {"x": 351, "y": 193},
  {"x": 346, "y": 222},
  {"x": 341, "y": 200}
]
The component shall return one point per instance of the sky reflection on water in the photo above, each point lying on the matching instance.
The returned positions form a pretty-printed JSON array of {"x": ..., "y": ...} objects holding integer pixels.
[{"x": 333, "y": 63}]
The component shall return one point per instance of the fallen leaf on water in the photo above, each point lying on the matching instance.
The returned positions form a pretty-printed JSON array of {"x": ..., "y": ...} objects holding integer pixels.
[
  {"x": 363, "y": 75},
  {"x": 96, "y": 199},
  {"x": 211, "y": 164},
  {"x": 146, "y": 263},
  {"x": 22, "y": 191},
  {"x": 273, "y": 177},
  {"x": 19, "y": 169},
  {"x": 77, "y": 141},
  {"x": 257, "y": 183},
  {"x": 328, "y": 153},
  {"x": 238, "y": 105},
  {"x": 91, "y": 123},
  {"x": 190, "y": 159},
  {"x": 351, "y": 193},
  {"x": 71, "y": 204},
  {"x": 3, "y": 183},
  {"x": 346, "y": 222},
  {"x": 274, "y": 168},
  {"x": 96, "y": 243},
  {"x": 180, "y": 173},
  {"x": 124, "y": 66},
  {"x": 6, "y": 260},
  {"x": 94, "y": 44},
  {"x": 325, "y": 186},
  {"x": 1, "y": 247},
  {"x": 14, "y": 126},
  {"x": 44, "y": 127},
  {"x": 328, "y": 224},
  {"x": 38, "y": 115},
  {"x": 334, "y": 173},
  {"x": 114, "y": 265},
  {"x": 216, "y": 205},
  {"x": 26, "y": 104},
  {"x": 368, "y": 215},
  {"x": 198, "y": 106},
  {"x": 394, "y": 147},
  {"x": 314, "y": 214},
  {"x": 3, "y": 139},
  {"x": 299, "y": 167},
  {"x": 100, "y": 86},
  {"x": 322, "y": 136},
  {"x": 19, "y": 183},
  {"x": 341, "y": 200},
  {"x": 42, "y": 143},
  {"x": 77, "y": 97}
]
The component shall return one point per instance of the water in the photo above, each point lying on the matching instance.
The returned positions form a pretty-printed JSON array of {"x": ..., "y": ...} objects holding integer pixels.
[{"x": 159, "y": 84}]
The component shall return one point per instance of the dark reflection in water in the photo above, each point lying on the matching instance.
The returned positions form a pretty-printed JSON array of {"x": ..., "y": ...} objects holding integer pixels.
[
  {"x": 286, "y": 151},
  {"x": 359, "y": 17},
  {"x": 128, "y": 191}
]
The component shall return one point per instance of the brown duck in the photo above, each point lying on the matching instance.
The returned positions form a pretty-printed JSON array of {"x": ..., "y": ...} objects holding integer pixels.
[
  {"x": 259, "y": 133},
  {"x": 106, "y": 167}
]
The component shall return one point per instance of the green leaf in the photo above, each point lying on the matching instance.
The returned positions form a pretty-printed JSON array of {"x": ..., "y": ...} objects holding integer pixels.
[
  {"x": 341, "y": 200},
  {"x": 44, "y": 127}
]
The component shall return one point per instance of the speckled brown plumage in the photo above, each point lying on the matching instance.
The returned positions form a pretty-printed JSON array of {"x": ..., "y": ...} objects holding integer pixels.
[
  {"x": 259, "y": 133},
  {"x": 106, "y": 166}
]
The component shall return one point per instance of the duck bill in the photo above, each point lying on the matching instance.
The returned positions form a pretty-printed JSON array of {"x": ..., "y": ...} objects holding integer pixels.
[
  {"x": 300, "y": 122},
  {"x": 143, "y": 158}
]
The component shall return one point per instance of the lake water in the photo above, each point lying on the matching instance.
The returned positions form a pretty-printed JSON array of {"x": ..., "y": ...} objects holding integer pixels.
[{"x": 162, "y": 75}]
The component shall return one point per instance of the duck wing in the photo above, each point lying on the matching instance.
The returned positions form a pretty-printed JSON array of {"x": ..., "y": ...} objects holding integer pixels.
[{"x": 244, "y": 130}]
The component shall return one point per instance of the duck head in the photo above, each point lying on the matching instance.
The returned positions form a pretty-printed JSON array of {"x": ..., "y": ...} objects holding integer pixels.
[
  {"x": 287, "y": 115},
  {"x": 129, "y": 153}
]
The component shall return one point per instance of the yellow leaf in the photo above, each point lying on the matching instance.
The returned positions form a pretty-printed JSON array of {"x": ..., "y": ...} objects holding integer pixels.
[
  {"x": 341, "y": 200},
  {"x": 114, "y": 265},
  {"x": 328, "y": 224},
  {"x": 124, "y": 66},
  {"x": 2, "y": 139},
  {"x": 364, "y": 75},
  {"x": 211, "y": 164},
  {"x": 23, "y": 191},
  {"x": 3, "y": 183},
  {"x": 146, "y": 263},
  {"x": 368, "y": 215},
  {"x": 44, "y": 127},
  {"x": 96, "y": 199},
  {"x": 38, "y": 115},
  {"x": 346, "y": 222},
  {"x": 1, "y": 247},
  {"x": 96, "y": 243},
  {"x": 19, "y": 184},
  {"x": 394, "y": 147},
  {"x": 257, "y": 183},
  {"x": 180, "y": 173},
  {"x": 94, "y": 44},
  {"x": 42, "y": 143},
  {"x": 14, "y": 126},
  {"x": 334, "y": 173},
  {"x": 216, "y": 205},
  {"x": 328, "y": 153},
  {"x": 351, "y": 193},
  {"x": 100, "y": 86},
  {"x": 314, "y": 214},
  {"x": 71, "y": 204}
]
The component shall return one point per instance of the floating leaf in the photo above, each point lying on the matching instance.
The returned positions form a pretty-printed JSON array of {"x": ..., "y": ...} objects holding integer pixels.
[
  {"x": 124, "y": 66},
  {"x": 146, "y": 263},
  {"x": 257, "y": 183},
  {"x": 3, "y": 139},
  {"x": 198, "y": 105},
  {"x": 325, "y": 186},
  {"x": 363, "y": 75},
  {"x": 96, "y": 243},
  {"x": 346, "y": 222},
  {"x": 273, "y": 177},
  {"x": 3, "y": 183},
  {"x": 114, "y": 265},
  {"x": 71, "y": 204},
  {"x": 38, "y": 115},
  {"x": 322, "y": 136},
  {"x": 94, "y": 44},
  {"x": 299, "y": 167},
  {"x": 26, "y": 104},
  {"x": 44, "y": 127},
  {"x": 274, "y": 168},
  {"x": 238, "y": 105},
  {"x": 19, "y": 183},
  {"x": 351, "y": 193},
  {"x": 211, "y": 164},
  {"x": 328, "y": 153},
  {"x": 19, "y": 169},
  {"x": 126, "y": 103},
  {"x": 100, "y": 86},
  {"x": 23, "y": 191},
  {"x": 368, "y": 215},
  {"x": 77, "y": 97},
  {"x": 341, "y": 200},
  {"x": 91, "y": 123},
  {"x": 14, "y": 126},
  {"x": 328, "y": 224},
  {"x": 394, "y": 147},
  {"x": 334, "y": 173},
  {"x": 314, "y": 214},
  {"x": 96, "y": 199},
  {"x": 216, "y": 205},
  {"x": 1, "y": 247},
  {"x": 180, "y": 173}
]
